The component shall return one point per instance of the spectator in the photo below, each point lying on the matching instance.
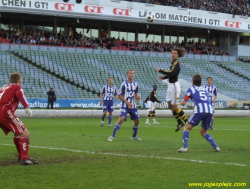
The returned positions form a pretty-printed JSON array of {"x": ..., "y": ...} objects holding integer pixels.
[
  {"x": 237, "y": 7},
  {"x": 61, "y": 40},
  {"x": 51, "y": 97}
]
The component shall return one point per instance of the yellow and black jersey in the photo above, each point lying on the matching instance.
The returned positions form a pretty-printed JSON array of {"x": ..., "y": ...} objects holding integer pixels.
[
  {"x": 152, "y": 97},
  {"x": 172, "y": 74}
]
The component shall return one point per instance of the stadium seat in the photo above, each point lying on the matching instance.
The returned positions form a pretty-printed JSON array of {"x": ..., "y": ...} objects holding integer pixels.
[{"x": 90, "y": 72}]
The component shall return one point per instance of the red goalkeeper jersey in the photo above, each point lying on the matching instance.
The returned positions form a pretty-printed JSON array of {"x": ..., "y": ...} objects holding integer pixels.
[{"x": 10, "y": 96}]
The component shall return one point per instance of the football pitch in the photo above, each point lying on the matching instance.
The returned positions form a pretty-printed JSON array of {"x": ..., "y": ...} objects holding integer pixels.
[{"x": 75, "y": 153}]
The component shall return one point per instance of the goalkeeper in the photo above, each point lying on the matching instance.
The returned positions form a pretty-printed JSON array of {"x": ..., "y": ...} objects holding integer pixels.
[{"x": 10, "y": 97}]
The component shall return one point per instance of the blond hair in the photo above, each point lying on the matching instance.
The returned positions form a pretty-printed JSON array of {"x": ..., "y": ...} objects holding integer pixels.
[{"x": 129, "y": 71}]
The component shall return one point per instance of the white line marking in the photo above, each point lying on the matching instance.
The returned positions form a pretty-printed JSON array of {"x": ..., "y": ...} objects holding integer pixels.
[
  {"x": 132, "y": 155},
  {"x": 196, "y": 127},
  {"x": 168, "y": 127}
]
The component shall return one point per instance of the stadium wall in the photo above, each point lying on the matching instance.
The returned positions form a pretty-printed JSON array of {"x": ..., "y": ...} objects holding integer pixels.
[
  {"x": 94, "y": 103},
  {"x": 240, "y": 50},
  {"x": 142, "y": 113}
]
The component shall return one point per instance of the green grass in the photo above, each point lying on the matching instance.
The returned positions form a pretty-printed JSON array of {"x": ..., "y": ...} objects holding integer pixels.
[{"x": 151, "y": 163}]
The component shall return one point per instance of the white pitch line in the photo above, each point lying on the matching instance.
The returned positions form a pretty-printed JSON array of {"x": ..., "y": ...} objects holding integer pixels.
[
  {"x": 168, "y": 127},
  {"x": 133, "y": 155},
  {"x": 199, "y": 127}
]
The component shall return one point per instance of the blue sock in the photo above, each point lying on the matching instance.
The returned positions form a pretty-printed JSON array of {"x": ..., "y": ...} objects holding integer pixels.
[
  {"x": 116, "y": 128},
  {"x": 211, "y": 123},
  {"x": 103, "y": 117},
  {"x": 185, "y": 138},
  {"x": 135, "y": 129},
  {"x": 110, "y": 119},
  {"x": 210, "y": 139}
]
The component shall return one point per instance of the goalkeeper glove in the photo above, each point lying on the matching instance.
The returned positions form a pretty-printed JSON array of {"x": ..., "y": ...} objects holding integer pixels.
[{"x": 28, "y": 112}]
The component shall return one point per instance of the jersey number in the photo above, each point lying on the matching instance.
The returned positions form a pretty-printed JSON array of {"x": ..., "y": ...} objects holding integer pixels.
[{"x": 203, "y": 96}]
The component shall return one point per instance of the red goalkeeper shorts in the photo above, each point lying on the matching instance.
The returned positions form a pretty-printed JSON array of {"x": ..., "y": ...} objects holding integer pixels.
[{"x": 9, "y": 122}]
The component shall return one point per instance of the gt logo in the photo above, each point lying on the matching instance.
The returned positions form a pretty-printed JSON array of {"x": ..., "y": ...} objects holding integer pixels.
[
  {"x": 64, "y": 6},
  {"x": 124, "y": 12},
  {"x": 232, "y": 24},
  {"x": 93, "y": 9}
]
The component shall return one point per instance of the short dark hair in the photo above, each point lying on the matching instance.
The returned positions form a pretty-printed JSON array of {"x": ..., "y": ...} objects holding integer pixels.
[
  {"x": 181, "y": 52},
  {"x": 197, "y": 80},
  {"x": 14, "y": 77},
  {"x": 210, "y": 78}
]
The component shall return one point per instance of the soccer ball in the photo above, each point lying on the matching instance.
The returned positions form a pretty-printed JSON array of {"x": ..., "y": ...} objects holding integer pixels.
[{"x": 150, "y": 17}]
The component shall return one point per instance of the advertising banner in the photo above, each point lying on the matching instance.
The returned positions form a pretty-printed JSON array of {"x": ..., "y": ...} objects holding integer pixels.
[
  {"x": 69, "y": 103},
  {"x": 124, "y": 12},
  {"x": 94, "y": 103},
  {"x": 190, "y": 104}
]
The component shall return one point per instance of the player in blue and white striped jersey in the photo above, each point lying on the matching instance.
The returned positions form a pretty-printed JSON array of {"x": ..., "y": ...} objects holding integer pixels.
[
  {"x": 128, "y": 93},
  {"x": 212, "y": 95},
  {"x": 107, "y": 95},
  {"x": 202, "y": 112}
]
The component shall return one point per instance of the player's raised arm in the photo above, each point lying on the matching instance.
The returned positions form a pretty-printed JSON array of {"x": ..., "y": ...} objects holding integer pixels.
[
  {"x": 186, "y": 98},
  {"x": 21, "y": 97}
]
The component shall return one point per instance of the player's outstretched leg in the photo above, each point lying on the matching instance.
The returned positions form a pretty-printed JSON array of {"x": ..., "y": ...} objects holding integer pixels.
[
  {"x": 185, "y": 138},
  {"x": 211, "y": 124},
  {"x": 149, "y": 116},
  {"x": 116, "y": 128},
  {"x": 103, "y": 117},
  {"x": 180, "y": 124},
  {"x": 135, "y": 131},
  {"x": 154, "y": 120},
  {"x": 22, "y": 145},
  {"x": 182, "y": 115},
  {"x": 210, "y": 139},
  {"x": 110, "y": 119}
]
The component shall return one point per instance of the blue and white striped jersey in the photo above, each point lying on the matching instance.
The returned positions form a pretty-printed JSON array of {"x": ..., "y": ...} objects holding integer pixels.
[
  {"x": 128, "y": 90},
  {"x": 212, "y": 91},
  {"x": 108, "y": 92},
  {"x": 200, "y": 98}
]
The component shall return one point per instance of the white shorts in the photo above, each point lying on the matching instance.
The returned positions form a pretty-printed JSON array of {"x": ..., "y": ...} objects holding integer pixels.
[
  {"x": 151, "y": 105},
  {"x": 173, "y": 93}
]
